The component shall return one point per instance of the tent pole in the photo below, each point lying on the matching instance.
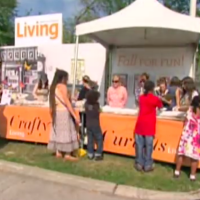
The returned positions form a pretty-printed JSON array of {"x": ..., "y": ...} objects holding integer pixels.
[
  {"x": 195, "y": 64},
  {"x": 110, "y": 65},
  {"x": 193, "y": 8},
  {"x": 75, "y": 66}
]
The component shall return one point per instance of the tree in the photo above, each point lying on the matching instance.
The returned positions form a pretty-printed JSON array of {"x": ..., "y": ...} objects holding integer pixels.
[
  {"x": 70, "y": 24},
  {"x": 181, "y": 6},
  {"x": 107, "y": 7},
  {"x": 7, "y": 13}
]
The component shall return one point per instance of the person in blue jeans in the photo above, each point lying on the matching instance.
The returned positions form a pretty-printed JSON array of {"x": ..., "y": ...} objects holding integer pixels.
[
  {"x": 94, "y": 133},
  {"x": 145, "y": 128}
]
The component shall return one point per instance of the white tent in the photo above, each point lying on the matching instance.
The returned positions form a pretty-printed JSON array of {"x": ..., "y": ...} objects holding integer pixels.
[{"x": 143, "y": 23}]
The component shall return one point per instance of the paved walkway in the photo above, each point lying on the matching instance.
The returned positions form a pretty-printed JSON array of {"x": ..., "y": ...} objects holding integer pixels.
[
  {"x": 14, "y": 186},
  {"x": 30, "y": 183}
]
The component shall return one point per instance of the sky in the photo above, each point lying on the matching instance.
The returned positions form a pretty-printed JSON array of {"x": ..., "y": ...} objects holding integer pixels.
[{"x": 67, "y": 7}]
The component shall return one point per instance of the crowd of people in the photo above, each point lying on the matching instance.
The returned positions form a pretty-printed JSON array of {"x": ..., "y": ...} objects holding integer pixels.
[
  {"x": 180, "y": 96},
  {"x": 177, "y": 95}
]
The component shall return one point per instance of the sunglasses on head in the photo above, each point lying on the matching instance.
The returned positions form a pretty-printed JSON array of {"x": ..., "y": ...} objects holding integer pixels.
[{"x": 115, "y": 81}]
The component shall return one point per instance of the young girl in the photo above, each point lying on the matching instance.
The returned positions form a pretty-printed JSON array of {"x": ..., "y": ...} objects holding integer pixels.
[
  {"x": 189, "y": 145},
  {"x": 145, "y": 127},
  {"x": 162, "y": 93},
  {"x": 94, "y": 133}
]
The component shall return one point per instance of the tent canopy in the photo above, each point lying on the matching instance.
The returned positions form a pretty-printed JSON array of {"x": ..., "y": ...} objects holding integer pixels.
[{"x": 143, "y": 23}]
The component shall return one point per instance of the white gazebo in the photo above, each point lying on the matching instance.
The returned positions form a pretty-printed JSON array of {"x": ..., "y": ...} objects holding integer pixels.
[{"x": 141, "y": 24}]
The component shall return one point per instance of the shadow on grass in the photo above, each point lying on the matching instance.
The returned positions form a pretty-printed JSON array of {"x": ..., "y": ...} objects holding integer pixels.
[
  {"x": 3, "y": 142},
  {"x": 3, "y": 126}
]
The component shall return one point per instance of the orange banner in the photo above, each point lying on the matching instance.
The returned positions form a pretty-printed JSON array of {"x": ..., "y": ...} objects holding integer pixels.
[
  {"x": 29, "y": 124},
  {"x": 33, "y": 124},
  {"x": 118, "y": 134}
]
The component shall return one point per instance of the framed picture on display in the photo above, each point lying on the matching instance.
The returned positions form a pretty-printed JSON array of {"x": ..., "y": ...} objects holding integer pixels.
[
  {"x": 23, "y": 54},
  {"x": 10, "y": 55},
  {"x": 3, "y": 55},
  {"x": 31, "y": 55},
  {"x": 137, "y": 85},
  {"x": 16, "y": 55}
]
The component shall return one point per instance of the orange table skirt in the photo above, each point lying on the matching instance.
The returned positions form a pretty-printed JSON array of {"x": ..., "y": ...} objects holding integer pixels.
[{"x": 33, "y": 124}]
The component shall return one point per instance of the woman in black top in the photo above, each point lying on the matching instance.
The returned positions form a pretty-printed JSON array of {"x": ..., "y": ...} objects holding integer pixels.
[
  {"x": 86, "y": 87},
  {"x": 94, "y": 133},
  {"x": 82, "y": 95}
]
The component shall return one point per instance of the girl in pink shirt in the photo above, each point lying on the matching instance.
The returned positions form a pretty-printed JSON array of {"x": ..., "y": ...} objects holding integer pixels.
[{"x": 117, "y": 94}]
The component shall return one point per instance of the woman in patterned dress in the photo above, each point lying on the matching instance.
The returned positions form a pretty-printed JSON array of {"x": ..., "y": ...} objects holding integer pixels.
[
  {"x": 189, "y": 145},
  {"x": 63, "y": 137}
]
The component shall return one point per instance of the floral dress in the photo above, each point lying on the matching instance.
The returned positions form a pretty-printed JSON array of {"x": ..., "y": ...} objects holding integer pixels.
[{"x": 189, "y": 145}]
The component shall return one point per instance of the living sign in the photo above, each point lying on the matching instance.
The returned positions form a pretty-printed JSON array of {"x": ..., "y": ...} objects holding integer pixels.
[
  {"x": 38, "y": 30},
  {"x": 137, "y": 60}
]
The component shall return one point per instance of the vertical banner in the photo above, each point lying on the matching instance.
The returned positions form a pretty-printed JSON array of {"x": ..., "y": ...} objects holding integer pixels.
[{"x": 80, "y": 70}]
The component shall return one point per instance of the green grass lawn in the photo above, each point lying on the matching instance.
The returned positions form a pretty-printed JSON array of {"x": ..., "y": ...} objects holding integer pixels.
[{"x": 114, "y": 168}]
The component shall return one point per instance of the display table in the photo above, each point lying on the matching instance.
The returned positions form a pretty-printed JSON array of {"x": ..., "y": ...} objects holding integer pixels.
[{"x": 32, "y": 124}]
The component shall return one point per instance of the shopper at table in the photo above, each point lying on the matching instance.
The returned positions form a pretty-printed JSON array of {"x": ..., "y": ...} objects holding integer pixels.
[
  {"x": 139, "y": 90},
  {"x": 6, "y": 84},
  {"x": 88, "y": 85},
  {"x": 94, "y": 133},
  {"x": 63, "y": 137},
  {"x": 41, "y": 89},
  {"x": 85, "y": 88},
  {"x": 189, "y": 145},
  {"x": 174, "y": 90},
  {"x": 188, "y": 93},
  {"x": 145, "y": 127},
  {"x": 117, "y": 94},
  {"x": 163, "y": 93}
]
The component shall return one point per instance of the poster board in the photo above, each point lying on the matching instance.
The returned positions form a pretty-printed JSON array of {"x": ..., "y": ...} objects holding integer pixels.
[
  {"x": 91, "y": 62},
  {"x": 16, "y": 69},
  {"x": 6, "y": 97}
]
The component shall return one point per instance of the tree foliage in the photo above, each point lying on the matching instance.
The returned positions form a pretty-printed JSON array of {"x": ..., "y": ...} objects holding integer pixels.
[
  {"x": 7, "y": 13},
  {"x": 69, "y": 25},
  {"x": 106, "y": 7},
  {"x": 181, "y": 6},
  {"x": 97, "y": 8}
]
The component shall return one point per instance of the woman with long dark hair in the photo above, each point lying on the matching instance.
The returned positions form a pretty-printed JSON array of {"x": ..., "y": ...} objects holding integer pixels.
[
  {"x": 63, "y": 138},
  {"x": 174, "y": 90},
  {"x": 189, "y": 144},
  {"x": 188, "y": 93}
]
